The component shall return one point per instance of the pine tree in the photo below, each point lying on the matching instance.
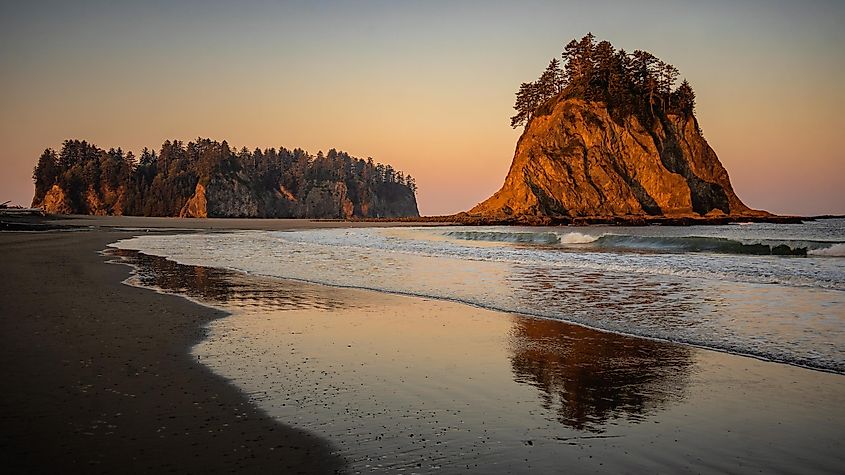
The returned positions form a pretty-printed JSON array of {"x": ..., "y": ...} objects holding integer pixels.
[
  {"x": 46, "y": 173},
  {"x": 527, "y": 100},
  {"x": 683, "y": 99},
  {"x": 552, "y": 80},
  {"x": 604, "y": 58},
  {"x": 578, "y": 58}
]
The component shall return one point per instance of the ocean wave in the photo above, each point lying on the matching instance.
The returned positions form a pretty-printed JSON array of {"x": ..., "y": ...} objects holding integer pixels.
[
  {"x": 699, "y": 244},
  {"x": 836, "y": 250},
  {"x": 657, "y": 244},
  {"x": 523, "y": 237},
  {"x": 504, "y": 236},
  {"x": 577, "y": 238},
  {"x": 683, "y": 297}
]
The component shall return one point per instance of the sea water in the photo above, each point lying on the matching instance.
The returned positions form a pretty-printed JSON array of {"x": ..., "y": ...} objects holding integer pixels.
[{"x": 772, "y": 291}]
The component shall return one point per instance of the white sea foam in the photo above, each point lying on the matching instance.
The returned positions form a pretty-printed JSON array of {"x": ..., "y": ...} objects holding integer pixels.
[
  {"x": 783, "y": 308},
  {"x": 836, "y": 250},
  {"x": 577, "y": 238}
]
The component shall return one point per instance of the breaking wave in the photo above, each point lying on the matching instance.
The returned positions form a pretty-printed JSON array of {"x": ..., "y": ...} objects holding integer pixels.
[
  {"x": 685, "y": 289},
  {"x": 658, "y": 244},
  {"x": 504, "y": 236},
  {"x": 523, "y": 237},
  {"x": 836, "y": 250},
  {"x": 700, "y": 244}
]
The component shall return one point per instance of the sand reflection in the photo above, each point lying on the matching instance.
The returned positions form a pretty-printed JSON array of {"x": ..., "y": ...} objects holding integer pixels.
[
  {"x": 420, "y": 385},
  {"x": 584, "y": 377},
  {"x": 587, "y": 377},
  {"x": 228, "y": 288}
]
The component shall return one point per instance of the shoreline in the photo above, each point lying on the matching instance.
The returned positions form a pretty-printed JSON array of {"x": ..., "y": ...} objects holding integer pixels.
[
  {"x": 672, "y": 396},
  {"x": 103, "y": 379},
  {"x": 465, "y": 219},
  {"x": 760, "y": 358},
  {"x": 282, "y": 280},
  {"x": 771, "y": 353},
  {"x": 84, "y": 345},
  {"x": 51, "y": 222}
]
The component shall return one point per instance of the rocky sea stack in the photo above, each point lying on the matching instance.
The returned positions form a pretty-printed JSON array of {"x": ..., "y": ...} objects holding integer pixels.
[
  {"x": 206, "y": 178},
  {"x": 608, "y": 136}
]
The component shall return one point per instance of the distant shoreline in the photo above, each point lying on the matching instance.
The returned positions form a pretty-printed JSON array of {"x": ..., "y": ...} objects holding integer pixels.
[
  {"x": 50, "y": 222},
  {"x": 469, "y": 220}
]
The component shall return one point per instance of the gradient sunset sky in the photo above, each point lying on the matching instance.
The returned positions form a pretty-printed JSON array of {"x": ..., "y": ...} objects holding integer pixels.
[{"x": 425, "y": 86}]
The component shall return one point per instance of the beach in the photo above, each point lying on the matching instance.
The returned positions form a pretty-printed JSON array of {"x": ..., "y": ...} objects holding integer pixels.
[
  {"x": 99, "y": 378},
  {"x": 402, "y": 383},
  {"x": 200, "y": 369}
]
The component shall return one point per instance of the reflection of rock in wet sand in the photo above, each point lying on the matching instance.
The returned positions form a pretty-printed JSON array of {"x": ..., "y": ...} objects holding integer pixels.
[
  {"x": 214, "y": 285},
  {"x": 588, "y": 377},
  {"x": 584, "y": 376}
]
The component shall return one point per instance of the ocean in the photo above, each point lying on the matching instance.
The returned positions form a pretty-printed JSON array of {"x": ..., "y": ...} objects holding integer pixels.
[
  {"x": 771, "y": 291},
  {"x": 511, "y": 350}
]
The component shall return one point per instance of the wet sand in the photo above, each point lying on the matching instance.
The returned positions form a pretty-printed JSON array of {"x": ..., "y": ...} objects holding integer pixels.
[
  {"x": 403, "y": 383},
  {"x": 144, "y": 223},
  {"x": 98, "y": 377},
  {"x": 104, "y": 377}
]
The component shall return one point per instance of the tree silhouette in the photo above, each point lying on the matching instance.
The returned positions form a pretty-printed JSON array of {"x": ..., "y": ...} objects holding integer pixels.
[
  {"x": 46, "y": 172},
  {"x": 683, "y": 99},
  {"x": 637, "y": 83},
  {"x": 527, "y": 100}
]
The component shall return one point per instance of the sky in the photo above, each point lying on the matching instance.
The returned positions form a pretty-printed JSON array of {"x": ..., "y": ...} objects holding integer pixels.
[{"x": 425, "y": 86}]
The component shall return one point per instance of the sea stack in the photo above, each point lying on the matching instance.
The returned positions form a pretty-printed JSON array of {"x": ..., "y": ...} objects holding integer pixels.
[{"x": 607, "y": 136}]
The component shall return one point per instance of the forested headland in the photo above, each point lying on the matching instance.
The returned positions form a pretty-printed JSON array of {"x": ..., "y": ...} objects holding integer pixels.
[{"x": 82, "y": 178}]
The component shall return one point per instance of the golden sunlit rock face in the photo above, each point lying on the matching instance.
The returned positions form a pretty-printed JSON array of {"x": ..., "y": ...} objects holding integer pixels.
[
  {"x": 54, "y": 202},
  {"x": 197, "y": 205},
  {"x": 577, "y": 161},
  {"x": 222, "y": 197}
]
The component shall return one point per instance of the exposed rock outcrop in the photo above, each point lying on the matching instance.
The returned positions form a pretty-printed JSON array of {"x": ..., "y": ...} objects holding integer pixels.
[
  {"x": 230, "y": 197},
  {"x": 329, "y": 200},
  {"x": 197, "y": 205},
  {"x": 91, "y": 201},
  {"x": 577, "y": 161},
  {"x": 390, "y": 200},
  {"x": 223, "y": 197},
  {"x": 54, "y": 202}
]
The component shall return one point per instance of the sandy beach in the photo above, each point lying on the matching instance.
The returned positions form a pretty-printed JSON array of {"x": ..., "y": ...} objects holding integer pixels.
[
  {"x": 254, "y": 374},
  {"x": 421, "y": 385},
  {"x": 99, "y": 377}
]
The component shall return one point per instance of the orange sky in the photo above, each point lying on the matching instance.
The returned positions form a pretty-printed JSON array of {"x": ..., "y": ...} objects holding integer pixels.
[{"x": 427, "y": 87}]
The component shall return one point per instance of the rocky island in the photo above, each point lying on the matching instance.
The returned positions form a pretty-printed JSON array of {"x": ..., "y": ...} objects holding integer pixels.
[
  {"x": 206, "y": 178},
  {"x": 609, "y": 137}
]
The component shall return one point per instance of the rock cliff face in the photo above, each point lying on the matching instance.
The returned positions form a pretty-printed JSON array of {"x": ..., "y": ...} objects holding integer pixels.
[
  {"x": 99, "y": 203},
  {"x": 232, "y": 197},
  {"x": 222, "y": 198},
  {"x": 54, "y": 202},
  {"x": 390, "y": 200},
  {"x": 576, "y": 162}
]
